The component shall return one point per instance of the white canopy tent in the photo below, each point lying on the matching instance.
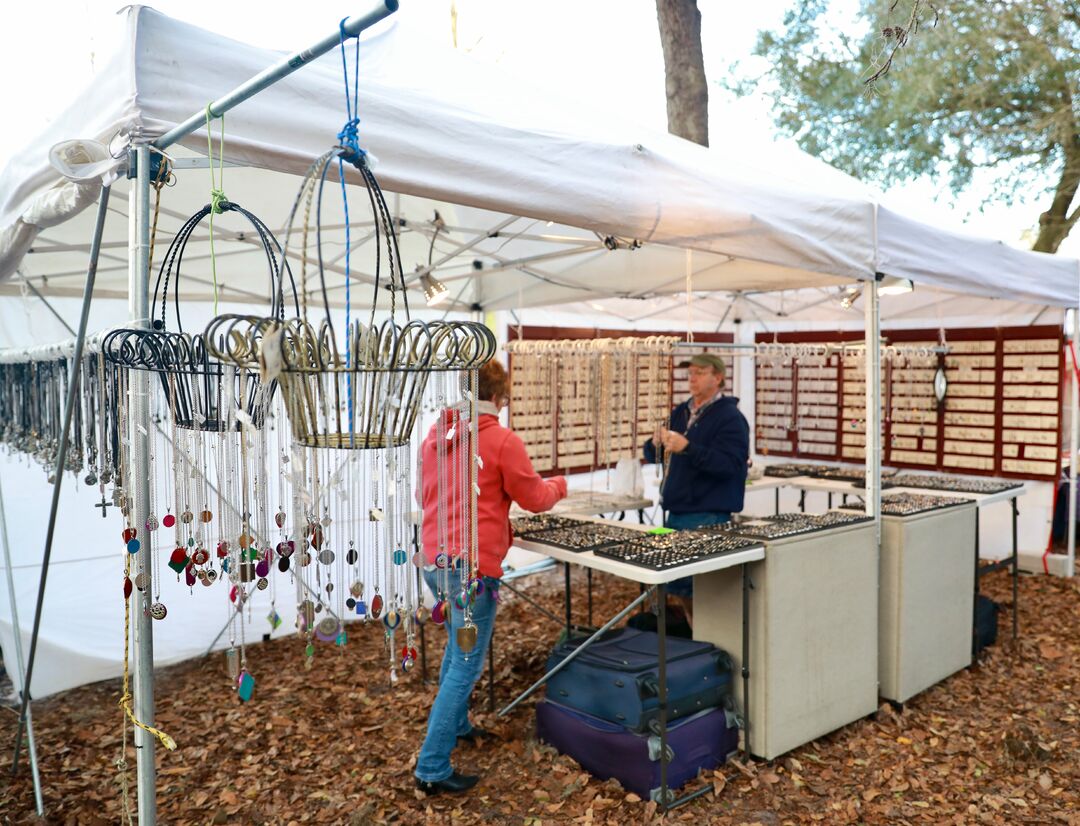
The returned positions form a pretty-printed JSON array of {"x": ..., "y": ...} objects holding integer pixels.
[
  {"x": 523, "y": 184},
  {"x": 541, "y": 203}
]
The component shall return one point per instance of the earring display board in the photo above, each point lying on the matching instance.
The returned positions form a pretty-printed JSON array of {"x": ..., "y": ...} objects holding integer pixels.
[
  {"x": 1001, "y": 414},
  {"x": 580, "y": 412}
]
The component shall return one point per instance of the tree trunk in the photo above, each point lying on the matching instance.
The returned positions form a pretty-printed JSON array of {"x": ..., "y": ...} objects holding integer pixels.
[
  {"x": 687, "y": 91},
  {"x": 1056, "y": 223}
]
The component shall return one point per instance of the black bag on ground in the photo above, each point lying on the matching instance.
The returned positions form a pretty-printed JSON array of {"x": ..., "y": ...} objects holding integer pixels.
[
  {"x": 986, "y": 622},
  {"x": 677, "y": 626},
  {"x": 617, "y": 678}
]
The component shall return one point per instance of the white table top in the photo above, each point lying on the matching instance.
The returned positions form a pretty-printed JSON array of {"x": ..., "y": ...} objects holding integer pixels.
[
  {"x": 590, "y": 502},
  {"x": 838, "y": 486},
  {"x": 636, "y": 573},
  {"x": 767, "y": 483},
  {"x": 981, "y": 499}
]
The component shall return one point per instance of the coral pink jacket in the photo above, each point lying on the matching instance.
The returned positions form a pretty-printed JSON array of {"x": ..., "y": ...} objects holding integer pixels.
[{"x": 506, "y": 476}]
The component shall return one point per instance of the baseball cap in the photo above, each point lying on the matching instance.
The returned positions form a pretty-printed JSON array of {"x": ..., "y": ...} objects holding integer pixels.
[{"x": 705, "y": 360}]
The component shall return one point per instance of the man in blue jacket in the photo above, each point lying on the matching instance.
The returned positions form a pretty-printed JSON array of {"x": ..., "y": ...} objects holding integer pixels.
[{"x": 707, "y": 447}]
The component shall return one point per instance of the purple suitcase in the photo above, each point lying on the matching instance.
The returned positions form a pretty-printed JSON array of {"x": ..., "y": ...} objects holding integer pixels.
[{"x": 605, "y": 749}]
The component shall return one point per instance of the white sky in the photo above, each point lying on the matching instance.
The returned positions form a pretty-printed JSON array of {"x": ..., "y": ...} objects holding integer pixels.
[{"x": 607, "y": 51}]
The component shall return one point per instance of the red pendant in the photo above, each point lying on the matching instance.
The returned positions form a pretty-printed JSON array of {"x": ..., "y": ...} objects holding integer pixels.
[
  {"x": 129, "y": 534},
  {"x": 376, "y": 606},
  {"x": 168, "y": 520},
  {"x": 222, "y": 549},
  {"x": 127, "y": 587}
]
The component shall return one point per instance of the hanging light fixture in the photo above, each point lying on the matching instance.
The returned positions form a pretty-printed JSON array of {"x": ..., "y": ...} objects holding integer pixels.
[
  {"x": 894, "y": 285},
  {"x": 849, "y": 295},
  {"x": 435, "y": 292}
]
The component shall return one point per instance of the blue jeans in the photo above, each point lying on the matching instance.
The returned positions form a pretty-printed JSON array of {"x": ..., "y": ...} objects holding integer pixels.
[
  {"x": 449, "y": 716},
  {"x": 684, "y": 587}
]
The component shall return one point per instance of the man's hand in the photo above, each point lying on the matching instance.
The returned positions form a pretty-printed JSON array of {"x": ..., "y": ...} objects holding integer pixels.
[{"x": 673, "y": 442}]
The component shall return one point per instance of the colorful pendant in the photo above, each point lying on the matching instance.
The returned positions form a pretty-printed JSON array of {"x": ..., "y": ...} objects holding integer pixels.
[
  {"x": 168, "y": 520},
  {"x": 158, "y": 611},
  {"x": 376, "y": 605},
  {"x": 438, "y": 612},
  {"x": 245, "y": 686},
  {"x": 279, "y": 519},
  {"x": 327, "y": 629},
  {"x": 466, "y": 637},
  {"x": 392, "y": 619},
  {"x": 178, "y": 559},
  {"x": 400, "y": 557},
  {"x": 232, "y": 663},
  {"x": 187, "y": 517}
]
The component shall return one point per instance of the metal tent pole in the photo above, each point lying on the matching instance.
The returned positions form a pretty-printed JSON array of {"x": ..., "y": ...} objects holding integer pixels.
[
  {"x": 61, "y": 458},
  {"x": 873, "y": 405},
  {"x": 20, "y": 662},
  {"x": 137, "y": 483},
  {"x": 1074, "y": 438},
  {"x": 139, "y": 306},
  {"x": 268, "y": 77}
]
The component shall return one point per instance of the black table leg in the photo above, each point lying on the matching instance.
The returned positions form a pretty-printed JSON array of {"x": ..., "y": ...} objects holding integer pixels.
[
  {"x": 830, "y": 500},
  {"x": 569, "y": 623},
  {"x": 746, "y": 660},
  {"x": 641, "y": 516},
  {"x": 975, "y": 606},
  {"x": 588, "y": 576},
  {"x": 776, "y": 498},
  {"x": 491, "y": 673},
  {"x": 661, "y": 622},
  {"x": 1015, "y": 570},
  {"x": 423, "y": 655}
]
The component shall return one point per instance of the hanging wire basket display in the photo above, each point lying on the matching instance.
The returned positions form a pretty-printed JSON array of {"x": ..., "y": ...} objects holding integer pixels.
[
  {"x": 202, "y": 392},
  {"x": 354, "y": 410}
]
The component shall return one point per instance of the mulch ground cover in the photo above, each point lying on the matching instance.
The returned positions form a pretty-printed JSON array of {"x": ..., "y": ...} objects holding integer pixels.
[{"x": 998, "y": 743}]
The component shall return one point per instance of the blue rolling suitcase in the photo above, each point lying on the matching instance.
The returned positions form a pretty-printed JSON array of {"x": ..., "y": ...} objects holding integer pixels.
[
  {"x": 617, "y": 678},
  {"x": 605, "y": 749}
]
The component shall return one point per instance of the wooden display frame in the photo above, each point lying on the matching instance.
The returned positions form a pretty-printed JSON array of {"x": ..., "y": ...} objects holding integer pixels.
[
  {"x": 1001, "y": 417},
  {"x": 541, "y": 430}
]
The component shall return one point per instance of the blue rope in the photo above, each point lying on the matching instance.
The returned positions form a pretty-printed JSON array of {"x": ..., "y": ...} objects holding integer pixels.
[{"x": 348, "y": 137}]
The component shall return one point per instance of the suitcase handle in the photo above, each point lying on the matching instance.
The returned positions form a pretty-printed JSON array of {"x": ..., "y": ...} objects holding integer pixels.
[
  {"x": 648, "y": 685},
  {"x": 724, "y": 662}
]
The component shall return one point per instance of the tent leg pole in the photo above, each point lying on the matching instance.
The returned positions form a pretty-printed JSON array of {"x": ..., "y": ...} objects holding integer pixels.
[
  {"x": 1074, "y": 438},
  {"x": 21, "y": 663},
  {"x": 61, "y": 457},
  {"x": 873, "y": 405},
  {"x": 137, "y": 485}
]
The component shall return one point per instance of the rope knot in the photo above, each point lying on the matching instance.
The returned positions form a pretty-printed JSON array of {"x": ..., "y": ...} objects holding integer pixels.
[
  {"x": 349, "y": 139},
  {"x": 218, "y": 201}
]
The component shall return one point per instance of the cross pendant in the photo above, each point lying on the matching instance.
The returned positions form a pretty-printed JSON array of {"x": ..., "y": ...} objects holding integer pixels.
[{"x": 104, "y": 504}]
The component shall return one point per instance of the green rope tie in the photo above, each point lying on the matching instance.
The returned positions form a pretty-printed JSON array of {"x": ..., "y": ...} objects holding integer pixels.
[{"x": 218, "y": 200}]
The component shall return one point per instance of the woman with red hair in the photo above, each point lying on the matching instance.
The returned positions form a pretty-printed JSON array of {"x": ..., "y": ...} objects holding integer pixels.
[{"x": 504, "y": 475}]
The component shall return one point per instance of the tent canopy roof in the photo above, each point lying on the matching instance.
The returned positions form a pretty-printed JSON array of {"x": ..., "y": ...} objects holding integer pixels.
[{"x": 533, "y": 192}]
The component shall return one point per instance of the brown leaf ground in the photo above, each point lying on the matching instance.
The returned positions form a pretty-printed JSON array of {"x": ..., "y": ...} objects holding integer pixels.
[{"x": 996, "y": 744}]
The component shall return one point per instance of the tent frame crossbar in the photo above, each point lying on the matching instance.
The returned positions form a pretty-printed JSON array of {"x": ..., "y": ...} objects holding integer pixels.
[{"x": 140, "y": 169}]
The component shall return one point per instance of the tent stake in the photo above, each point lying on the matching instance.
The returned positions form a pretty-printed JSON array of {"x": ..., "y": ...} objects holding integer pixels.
[{"x": 69, "y": 406}]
